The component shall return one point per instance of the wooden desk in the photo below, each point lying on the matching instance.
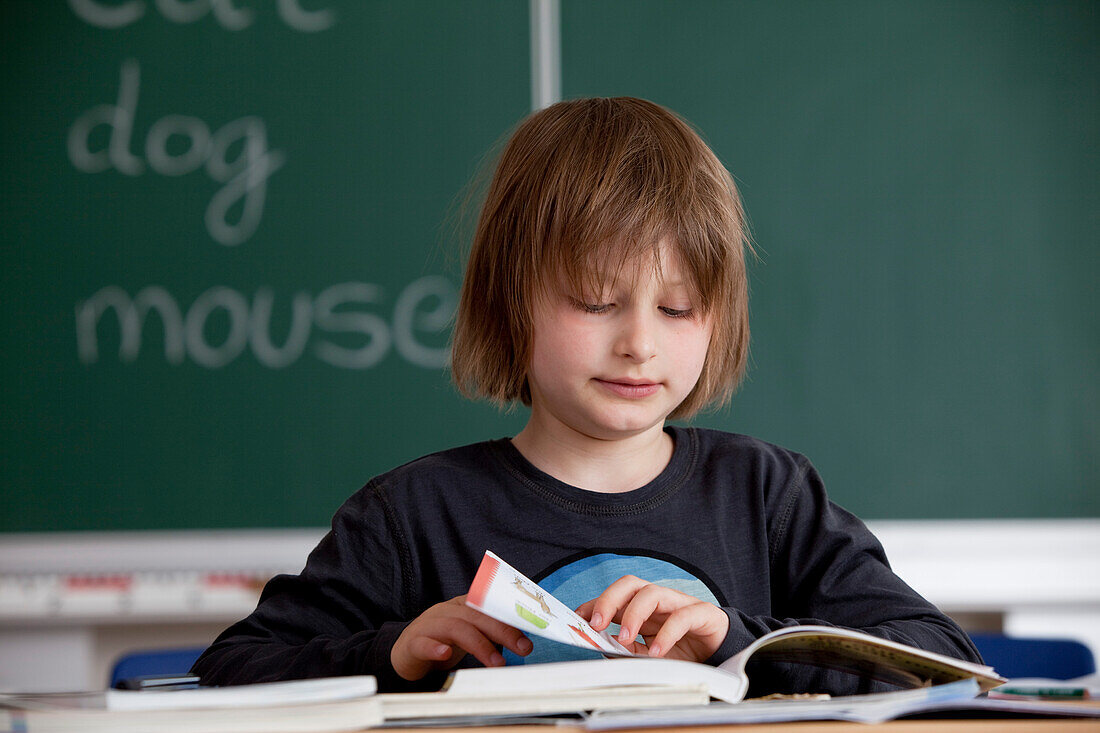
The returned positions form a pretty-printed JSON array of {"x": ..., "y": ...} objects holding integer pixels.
[{"x": 1053, "y": 725}]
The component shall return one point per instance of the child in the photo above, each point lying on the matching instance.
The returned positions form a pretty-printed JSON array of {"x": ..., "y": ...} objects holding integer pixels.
[{"x": 606, "y": 290}]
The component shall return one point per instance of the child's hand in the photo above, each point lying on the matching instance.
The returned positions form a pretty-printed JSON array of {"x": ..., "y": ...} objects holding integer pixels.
[
  {"x": 672, "y": 623},
  {"x": 441, "y": 636}
]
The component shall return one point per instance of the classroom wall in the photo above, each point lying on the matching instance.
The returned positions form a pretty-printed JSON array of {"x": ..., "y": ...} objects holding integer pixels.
[{"x": 232, "y": 242}]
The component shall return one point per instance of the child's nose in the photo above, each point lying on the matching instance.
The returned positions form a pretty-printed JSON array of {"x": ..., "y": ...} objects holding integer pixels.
[{"x": 636, "y": 340}]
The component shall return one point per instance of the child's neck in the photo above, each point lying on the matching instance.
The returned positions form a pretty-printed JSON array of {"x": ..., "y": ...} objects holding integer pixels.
[{"x": 605, "y": 466}]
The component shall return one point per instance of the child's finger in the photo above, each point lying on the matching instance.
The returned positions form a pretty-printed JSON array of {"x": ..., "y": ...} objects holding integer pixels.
[
  {"x": 639, "y": 610},
  {"x": 609, "y": 605},
  {"x": 499, "y": 632},
  {"x": 430, "y": 650},
  {"x": 587, "y": 611},
  {"x": 469, "y": 638},
  {"x": 704, "y": 623},
  {"x": 421, "y": 654},
  {"x": 598, "y": 621},
  {"x": 513, "y": 640},
  {"x": 678, "y": 624}
]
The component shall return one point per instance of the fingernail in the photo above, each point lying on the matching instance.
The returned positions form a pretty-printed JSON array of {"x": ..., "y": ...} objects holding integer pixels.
[
  {"x": 596, "y": 621},
  {"x": 496, "y": 660},
  {"x": 441, "y": 650},
  {"x": 524, "y": 645},
  {"x": 624, "y": 635},
  {"x": 655, "y": 650}
]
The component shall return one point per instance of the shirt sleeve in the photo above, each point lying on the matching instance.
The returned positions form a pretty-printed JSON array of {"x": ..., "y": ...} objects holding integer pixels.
[
  {"x": 828, "y": 569},
  {"x": 340, "y": 616}
]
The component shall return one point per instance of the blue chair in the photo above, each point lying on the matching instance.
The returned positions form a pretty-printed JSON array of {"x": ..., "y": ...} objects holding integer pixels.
[
  {"x": 154, "y": 662},
  {"x": 1014, "y": 657}
]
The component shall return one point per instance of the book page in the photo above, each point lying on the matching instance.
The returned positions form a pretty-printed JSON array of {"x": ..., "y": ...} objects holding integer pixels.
[
  {"x": 859, "y": 653},
  {"x": 501, "y": 591}
]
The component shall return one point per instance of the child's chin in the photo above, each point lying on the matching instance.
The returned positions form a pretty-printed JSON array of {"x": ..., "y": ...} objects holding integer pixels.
[{"x": 627, "y": 427}]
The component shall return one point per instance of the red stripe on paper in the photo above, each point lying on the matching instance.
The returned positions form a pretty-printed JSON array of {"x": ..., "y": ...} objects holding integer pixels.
[{"x": 484, "y": 578}]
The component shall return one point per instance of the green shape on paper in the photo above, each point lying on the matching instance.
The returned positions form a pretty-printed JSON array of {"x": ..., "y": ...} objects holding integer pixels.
[{"x": 528, "y": 616}]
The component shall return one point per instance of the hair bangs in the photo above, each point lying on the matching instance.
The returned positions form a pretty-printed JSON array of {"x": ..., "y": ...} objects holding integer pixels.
[{"x": 627, "y": 193}]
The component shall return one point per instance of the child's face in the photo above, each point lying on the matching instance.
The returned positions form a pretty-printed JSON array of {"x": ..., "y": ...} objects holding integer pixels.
[{"x": 613, "y": 365}]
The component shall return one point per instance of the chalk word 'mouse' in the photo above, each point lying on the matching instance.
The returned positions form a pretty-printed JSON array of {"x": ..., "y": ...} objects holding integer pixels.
[{"x": 347, "y": 311}]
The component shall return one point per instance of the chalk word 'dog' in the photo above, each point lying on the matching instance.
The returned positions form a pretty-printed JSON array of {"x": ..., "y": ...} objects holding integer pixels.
[{"x": 245, "y": 175}]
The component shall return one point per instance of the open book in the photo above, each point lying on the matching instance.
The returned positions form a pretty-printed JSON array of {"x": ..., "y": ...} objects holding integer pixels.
[{"x": 504, "y": 593}]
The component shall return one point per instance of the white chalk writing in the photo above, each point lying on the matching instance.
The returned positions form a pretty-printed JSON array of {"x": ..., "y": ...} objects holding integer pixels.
[
  {"x": 244, "y": 175},
  {"x": 421, "y": 313},
  {"x": 227, "y": 13}
]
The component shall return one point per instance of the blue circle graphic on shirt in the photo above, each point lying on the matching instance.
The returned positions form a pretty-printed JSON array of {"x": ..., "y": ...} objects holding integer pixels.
[{"x": 586, "y": 578}]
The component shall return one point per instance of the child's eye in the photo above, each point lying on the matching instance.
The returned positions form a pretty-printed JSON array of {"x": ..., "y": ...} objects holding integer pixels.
[
  {"x": 590, "y": 307},
  {"x": 677, "y": 312}
]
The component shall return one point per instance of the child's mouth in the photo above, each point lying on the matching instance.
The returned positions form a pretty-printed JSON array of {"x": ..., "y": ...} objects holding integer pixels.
[{"x": 630, "y": 390}]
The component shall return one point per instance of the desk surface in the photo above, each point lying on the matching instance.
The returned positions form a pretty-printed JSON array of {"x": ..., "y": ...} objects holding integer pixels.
[{"x": 1054, "y": 725}]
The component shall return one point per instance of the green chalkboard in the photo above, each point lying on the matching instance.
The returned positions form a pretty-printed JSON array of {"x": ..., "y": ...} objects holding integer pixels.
[
  {"x": 923, "y": 182},
  {"x": 229, "y": 265}
]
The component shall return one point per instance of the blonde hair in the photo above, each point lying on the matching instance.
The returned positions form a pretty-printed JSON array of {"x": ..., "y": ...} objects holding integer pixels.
[{"x": 593, "y": 181}]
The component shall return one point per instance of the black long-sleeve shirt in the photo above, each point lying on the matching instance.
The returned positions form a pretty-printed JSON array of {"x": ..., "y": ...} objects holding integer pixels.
[{"x": 731, "y": 519}]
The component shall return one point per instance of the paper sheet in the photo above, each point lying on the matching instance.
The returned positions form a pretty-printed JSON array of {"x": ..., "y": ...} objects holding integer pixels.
[{"x": 501, "y": 591}]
